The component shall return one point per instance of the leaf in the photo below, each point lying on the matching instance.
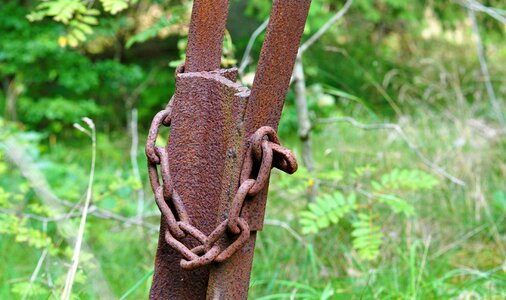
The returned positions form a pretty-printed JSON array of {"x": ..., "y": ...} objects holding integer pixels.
[
  {"x": 78, "y": 34},
  {"x": 500, "y": 200},
  {"x": 367, "y": 238},
  {"x": 85, "y": 28},
  {"x": 114, "y": 6},
  {"x": 151, "y": 32},
  {"x": 62, "y": 10},
  {"x": 345, "y": 95},
  {"x": 89, "y": 20},
  {"x": 325, "y": 211},
  {"x": 91, "y": 12},
  {"x": 398, "y": 205},
  {"x": 403, "y": 179}
]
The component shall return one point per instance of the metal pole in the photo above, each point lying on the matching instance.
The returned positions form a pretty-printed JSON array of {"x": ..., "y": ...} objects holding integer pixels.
[
  {"x": 205, "y": 37},
  {"x": 205, "y": 44},
  {"x": 230, "y": 280}
]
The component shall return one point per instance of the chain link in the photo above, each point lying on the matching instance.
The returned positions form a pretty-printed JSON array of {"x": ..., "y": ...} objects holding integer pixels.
[{"x": 264, "y": 149}]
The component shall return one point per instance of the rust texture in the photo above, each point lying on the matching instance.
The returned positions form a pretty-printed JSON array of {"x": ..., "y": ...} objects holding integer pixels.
[
  {"x": 276, "y": 62},
  {"x": 230, "y": 280},
  {"x": 205, "y": 37},
  {"x": 210, "y": 182},
  {"x": 203, "y": 168}
]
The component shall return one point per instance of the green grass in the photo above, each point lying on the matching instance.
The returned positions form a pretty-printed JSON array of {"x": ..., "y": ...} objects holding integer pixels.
[{"x": 453, "y": 248}]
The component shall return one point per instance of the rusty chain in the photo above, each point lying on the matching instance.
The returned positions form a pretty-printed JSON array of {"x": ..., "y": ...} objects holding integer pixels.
[{"x": 264, "y": 149}]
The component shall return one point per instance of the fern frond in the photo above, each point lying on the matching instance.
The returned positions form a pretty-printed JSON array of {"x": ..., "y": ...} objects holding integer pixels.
[
  {"x": 397, "y": 204},
  {"x": 405, "y": 179},
  {"x": 114, "y": 6},
  {"x": 367, "y": 237},
  {"x": 326, "y": 211}
]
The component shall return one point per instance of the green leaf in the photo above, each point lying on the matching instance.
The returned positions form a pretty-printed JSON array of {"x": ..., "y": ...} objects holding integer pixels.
[
  {"x": 367, "y": 238},
  {"x": 403, "y": 179},
  {"x": 114, "y": 6},
  {"x": 325, "y": 211},
  {"x": 397, "y": 204},
  {"x": 152, "y": 32}
]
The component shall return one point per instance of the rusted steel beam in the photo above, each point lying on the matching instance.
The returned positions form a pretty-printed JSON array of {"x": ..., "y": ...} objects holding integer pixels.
[
  {"x": 205, "y": 38},
  {"x": 230, "y": 280}
]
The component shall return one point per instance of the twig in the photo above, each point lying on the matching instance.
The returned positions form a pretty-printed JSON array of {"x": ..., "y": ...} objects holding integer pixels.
[
  {"x": 325, "y": 27},
  {"x": 67, "y": 290},
  {"x": 484, "y": 67},
  {"x": 92, "y": 211},
  {"x": 104, "y": 214},
  {"x": 403, "y": 135},
  {"x": 35, "y": 273},
  {"x": 42, "y": 219},
  {"x": 135, "y": 165},
  {"x": 301, "y": 97},
  {"x": 18, "y": 156},
  {"x": 422, "y": 265},
  {"x": 458, "y": 242},
  {"x": 134, "y": 95},
  {"x": 498, "y": 14},
  {"x": 287, "y": 227},
  {"x": 246, "y": 58}
]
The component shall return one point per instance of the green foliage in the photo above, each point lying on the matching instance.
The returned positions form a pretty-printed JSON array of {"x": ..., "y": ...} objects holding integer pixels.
[
  {"x": 397, "y": 240},
  {"x": 78, "y": 16},
  {"x": 397, "y": 204},
  {"x": 58, "y": 111},
  {"x": 399, "y": 179},
  {"x": 36, "y": 289},
  {"x": 60, "y": 10},
  {"x": 326, "y": 211},
  {"x": 152, "y": 31},
  {"x": 333, "y": 207},
  {"x": 367, "y": 237},
  {"x": 115, "y": 6},
  {"x": 23, "y": 233}
]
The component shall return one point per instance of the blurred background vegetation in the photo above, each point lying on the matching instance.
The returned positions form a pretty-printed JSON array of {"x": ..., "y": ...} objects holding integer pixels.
[{"x": 402, "y": 148}]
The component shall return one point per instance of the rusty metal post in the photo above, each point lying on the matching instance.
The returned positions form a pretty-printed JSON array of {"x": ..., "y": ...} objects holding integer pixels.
[
  {"x": 205, "y": 38},
  {"x": 215, "y": 168},
  {"x": 230, "y": 280}
]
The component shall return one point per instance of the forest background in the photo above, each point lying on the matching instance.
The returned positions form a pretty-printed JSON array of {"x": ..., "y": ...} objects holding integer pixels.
[{"x": 396, "y": 113}]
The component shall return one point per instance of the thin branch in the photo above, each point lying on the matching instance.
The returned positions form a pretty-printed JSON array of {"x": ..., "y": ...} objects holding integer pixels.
[
  {"x": 135, "y": 165},
  {"x": 498, "y": 14},
  {"x": 132, "y": 98},
  {"x": 35, "y": 273},
  {"x": 246, "y": 57},
  {"x": 104, "y": 214},
  {"x": 67, "y": 290},
  {"x": 42, "y": 219},
  {"x": 458, "y": 242},
  {"x": 17, "y": 155},
  {"x": 92, "y": 211},
  {"x": 325, "y": 27},
  {"x": 484, "y": 67},
  {"x": 287, "y": 227},
  {"x": 403, "y": 135}
]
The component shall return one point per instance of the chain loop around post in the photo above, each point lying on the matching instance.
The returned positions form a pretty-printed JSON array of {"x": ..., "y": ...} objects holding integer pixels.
[{"x": 264, "y": 149}]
